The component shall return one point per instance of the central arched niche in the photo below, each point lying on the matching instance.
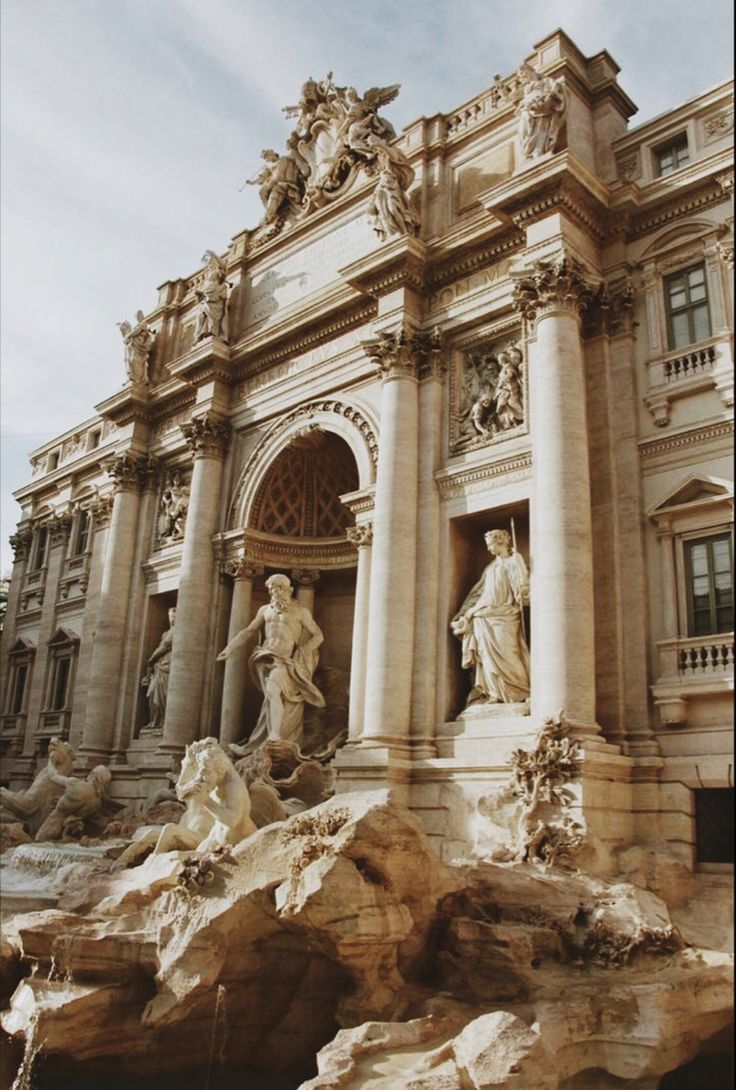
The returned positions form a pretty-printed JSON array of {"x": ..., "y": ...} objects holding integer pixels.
[{"x": 297, "y": 523}]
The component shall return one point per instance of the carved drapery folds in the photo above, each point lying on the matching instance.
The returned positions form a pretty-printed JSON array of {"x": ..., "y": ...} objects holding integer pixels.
[
  {"x": 131, "y": 473},
  {"x": 337, "y": 133},
  {"x": 403, "y": 353},
  {"x": 212, "y": 296},
  {"x": 489, "y": 397},
  {"x": 207, "y": 436},
  {"x": 557, "y": 283},
  {"x": 541, "y": 112},
  {"x": 173, "y": 507},
  {"x": 138, "y": 340},
  {"x": 361, "y": 536}
]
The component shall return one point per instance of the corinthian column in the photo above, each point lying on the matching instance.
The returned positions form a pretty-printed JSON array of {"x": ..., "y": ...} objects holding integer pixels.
[
  {"x": 362, "y": 537},
  {"x": 207, "y": 437},
  {"x": 393, "y": 567},
  {"x": 130, "y": 475},
  {"x": 552, "y": 295},
  {"x": 243, "y": 572}
]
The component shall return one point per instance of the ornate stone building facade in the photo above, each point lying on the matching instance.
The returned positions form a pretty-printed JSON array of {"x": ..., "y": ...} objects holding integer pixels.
[{"x": 517, "y": 315}]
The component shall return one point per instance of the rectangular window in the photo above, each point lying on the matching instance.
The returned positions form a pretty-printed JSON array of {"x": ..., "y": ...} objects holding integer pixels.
[
  {"x": 18, "y": 688},
  {"x": 40, "y": 548},
  {"x": 672, "y": 156},
  {"x": 93, "y": 439},
  {"x": 714, "y": 824},
  {"x": 60, "y": 683},
  {"x": 81, "y": 537},
  {"x": 710, "y": 585},
  {"x": 688, "y": 317}
]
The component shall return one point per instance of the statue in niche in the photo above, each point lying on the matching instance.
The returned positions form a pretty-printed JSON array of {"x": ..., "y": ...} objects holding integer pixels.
[
  {"x": 541, "y": 112},
  {"x": 138, "y": 341},
  {"x": 156, "y": 680},
  {"x": 174, "y": 506},
  {"x": 217, "y": 813},
  {"x": 33, "y": 806},
  {"x": 79, "y": 801},
  {"x": 282, "y": 663},
  {"x": 490, "y": 625},
  {"x": 390, "y": 210},
  {"x": 212, "y": 297},
  {"x": 491, "y": 396}
]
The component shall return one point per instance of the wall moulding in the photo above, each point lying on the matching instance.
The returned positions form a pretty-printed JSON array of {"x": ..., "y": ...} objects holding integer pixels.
[
  {"x": 463, "y": 480},
  {"x": 277, "y": 552}
]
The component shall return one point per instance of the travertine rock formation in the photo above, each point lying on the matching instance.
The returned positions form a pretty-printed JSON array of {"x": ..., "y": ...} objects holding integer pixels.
[{"x": 443, "y": 978}]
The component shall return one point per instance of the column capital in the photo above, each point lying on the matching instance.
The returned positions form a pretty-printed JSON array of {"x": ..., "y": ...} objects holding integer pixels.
[
  {"x": 553, "y": 284},
  {"x": 102, "y": 511},
  {"x": 361, "y": 536},
  {"x": 20, "y": 543},
  {"x": 611, "y": 310},
  {"x": 405, "y": 353},
  {"x": 207, "y": 436},
  {"x": 240, "y": 567},
  {"x": 129, "y": 472},
  {"x": 305, "y": 577}
]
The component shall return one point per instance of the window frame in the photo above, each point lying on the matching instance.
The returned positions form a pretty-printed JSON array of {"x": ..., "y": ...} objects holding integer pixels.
[
  {"x": 672, "y": 145},
  {"x": 672, "y": 313},
  {"x": 62, "y": 647},
  {"x": 39, "y": 549},
  {"x": 689, "y": 541},
  {"x": 83, "y": 531}
]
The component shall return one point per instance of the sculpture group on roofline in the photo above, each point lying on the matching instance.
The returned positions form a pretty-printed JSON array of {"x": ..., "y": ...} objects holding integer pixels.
[{"x": 337, "y": 132}]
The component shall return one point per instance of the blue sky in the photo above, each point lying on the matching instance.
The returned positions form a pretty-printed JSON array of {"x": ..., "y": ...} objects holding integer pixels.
[{"x": 128, "y": 127}]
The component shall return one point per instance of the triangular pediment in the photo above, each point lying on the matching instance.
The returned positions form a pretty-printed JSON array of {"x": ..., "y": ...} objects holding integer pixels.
[
  {"x": 22, "y": 646},
  {"x": 694, "y": 489},
  {"x": 63, "y": 636}
]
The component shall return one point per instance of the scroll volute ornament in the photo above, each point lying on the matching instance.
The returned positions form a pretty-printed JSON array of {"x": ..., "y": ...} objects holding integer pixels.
[{"x": 557, "y": 283}]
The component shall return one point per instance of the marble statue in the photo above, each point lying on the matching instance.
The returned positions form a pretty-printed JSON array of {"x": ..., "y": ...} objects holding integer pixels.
[
  {"x": 138, "y": 343},
  {"x": 541, "y": 112},
  {"x": 282, "y": 663},
  {"x": 34, "y": 805},
  {"x": 280, "y": 184},
  {"x": 80, "y": 799},
  {"x": 217, "y": 810},
  {"x": 509, "y": 396},
  {"x": 174, "y": 506},
  {"x": 390, "y": 209},
  {"x": 156, "y": 679},
  {"x": 489, "y": 624},
  {"x": 212, "y": 299}
]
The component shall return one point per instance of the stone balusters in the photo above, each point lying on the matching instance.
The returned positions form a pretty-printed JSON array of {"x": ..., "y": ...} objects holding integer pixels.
[
  {"x": 393, "y": 579},
  {"x": 362, "y": 537},
  {"x": 208, "y": 438},
  {"x": 130, "y": 475},
  {"x": 552, "y": 295},
  {"x": 242, "y": 572}
]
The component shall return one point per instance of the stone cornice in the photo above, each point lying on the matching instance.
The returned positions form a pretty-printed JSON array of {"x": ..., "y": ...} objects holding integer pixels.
[
  {"x": 128, "y": 405},
  {"x": 472, "y": 256},
  {"x": 710, "y": 192},
  {"x": 208, "y": 359},
  {"x": 279, "y": 552},
  {"x": 648, "y": 448},
  {"x": 400, "y": 262},
  {"x": 207, "y": 436},
  {"x": 457, "y": 481}
]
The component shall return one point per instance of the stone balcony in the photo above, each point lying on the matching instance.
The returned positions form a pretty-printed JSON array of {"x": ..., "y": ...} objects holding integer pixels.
[
  {"x": 703, "y": 366},
  {"x": 692, "y": 667}
]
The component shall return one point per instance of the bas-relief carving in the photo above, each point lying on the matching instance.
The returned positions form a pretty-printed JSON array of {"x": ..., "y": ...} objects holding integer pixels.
[
  {"x": 282, "y": 663},
  {"x": 541, "y": 112},
  {"x": 173, "y": 507},
  {"x": 488, "y": 397},
  {"x": 490, "y": 626},
  {"x": 138, "y": 340},
  {"x": 337, "y": 133},
  {"x": 718, "y": 125},
  {"x": 156, "y": 680}
]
